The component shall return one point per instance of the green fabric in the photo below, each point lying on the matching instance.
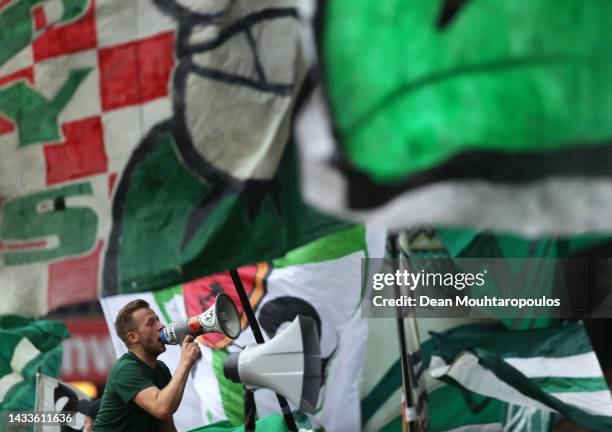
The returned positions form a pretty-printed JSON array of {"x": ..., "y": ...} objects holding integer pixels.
[
  {"x": 535, "y": 279},
  {"x": 16, "y": 29},
  {"x": 493, "y": 344},
  {"x": 513, "y": 343},
  {"x": 239, "y": 228},
  {"x": 394, "y": 425},
  {"x": 74, "y": 227},
  {"x": 453, "y": 408},
  {"x": 391, "y": 381},
  {"x": 231, "y": 393},
  {"x": 127, "y": 378},
  {"x": 16, "y": 25},
  {"x": 450, "y": 407},
  {"x": 573, "y": 385},
  {"x": 271, "y": 423},
  {"x": 503, "y": 76},
  {"x": 510, "y": 375},
  {"x": 162, "y": 297},
  {"x": 35, "y": 115},
  {"x": 27, "y": 345},
  {"x": 327, "y": 248}
]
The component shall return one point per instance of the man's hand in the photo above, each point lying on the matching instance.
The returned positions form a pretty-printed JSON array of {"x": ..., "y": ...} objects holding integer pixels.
[
  {"x": 163, "y": 403},
  {"x": 190, "y": 351}
]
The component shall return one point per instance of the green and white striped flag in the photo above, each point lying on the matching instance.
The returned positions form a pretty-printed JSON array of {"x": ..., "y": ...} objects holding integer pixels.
[
  {"x": 552, "y": 369},
  {"x": 26, "y": 345},
  {"x": 451, "y": 408},
  {"x": 457, "y": 408}
]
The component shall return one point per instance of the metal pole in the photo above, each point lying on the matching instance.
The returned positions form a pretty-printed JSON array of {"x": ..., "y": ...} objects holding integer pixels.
[
  {"x": 248, "y": 310},
  {"x": 409, "y": 423},
  {"x": 418, "y": 411},
  {"x": 249, "y": 410}
]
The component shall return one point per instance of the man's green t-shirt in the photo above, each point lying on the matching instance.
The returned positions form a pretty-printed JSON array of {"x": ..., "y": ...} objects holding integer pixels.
[{"x": 126, "y": 379}]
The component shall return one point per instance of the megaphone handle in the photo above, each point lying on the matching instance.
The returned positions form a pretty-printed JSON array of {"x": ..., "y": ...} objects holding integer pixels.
[
  {"x": 249, "y": 410},
  {"x": 287, "y": 414},
  {"x": 248, "y": 310}
]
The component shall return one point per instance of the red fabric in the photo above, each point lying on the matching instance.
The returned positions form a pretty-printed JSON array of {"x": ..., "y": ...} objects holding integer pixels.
[
  {"x": 6, "y": 126},
  {"x": 4, "y": 3},
  {"x": 60, "y": 39},
  {"x": 74, "y": 280},
  {"x": 136, "y": 72},
  {"x": 27, "y": 73},
  {"x": 200, "y": 294},
  {"x": 112, "y": 179},
  {"x": 88, "y": 353},
  {"x": 81, "y": 155},
  {"x": 40, "y": 20}
]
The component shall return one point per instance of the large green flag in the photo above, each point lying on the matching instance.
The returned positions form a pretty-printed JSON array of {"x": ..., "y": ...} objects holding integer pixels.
[
  {"x": 553, "y": 369},
  {"x": 27, "y": 345},
  {"x": 465, "y": 113}
]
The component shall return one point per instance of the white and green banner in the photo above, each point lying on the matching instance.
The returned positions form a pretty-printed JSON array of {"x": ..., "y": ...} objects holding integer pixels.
[
  {"x": 362, "y": 387},
  {"x": 321, "y": 280}
]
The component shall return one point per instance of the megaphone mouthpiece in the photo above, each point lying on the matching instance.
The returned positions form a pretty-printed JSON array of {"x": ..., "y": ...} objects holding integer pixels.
[{"x": 230, "y": 367}]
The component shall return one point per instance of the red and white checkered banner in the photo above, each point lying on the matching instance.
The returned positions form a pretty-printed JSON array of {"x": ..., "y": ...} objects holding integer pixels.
[{"x": 143, "y": 144}]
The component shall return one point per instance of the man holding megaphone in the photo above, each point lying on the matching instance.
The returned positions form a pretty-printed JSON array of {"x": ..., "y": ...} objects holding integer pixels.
[{"x": 140, "y": 392}]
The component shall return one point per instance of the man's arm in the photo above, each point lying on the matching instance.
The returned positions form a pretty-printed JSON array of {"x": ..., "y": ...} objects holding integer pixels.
[{"x": 163, "y": 403}]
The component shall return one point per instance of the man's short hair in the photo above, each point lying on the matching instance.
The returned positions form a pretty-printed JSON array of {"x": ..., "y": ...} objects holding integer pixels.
[{"x": 125, "y": 320}]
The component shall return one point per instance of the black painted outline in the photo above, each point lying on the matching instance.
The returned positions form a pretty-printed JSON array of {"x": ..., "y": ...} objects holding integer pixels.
[
  {"x": 495, "y": 167},
  {"x": 448, "y": 12},
  {"x": 221, "y": 184}
]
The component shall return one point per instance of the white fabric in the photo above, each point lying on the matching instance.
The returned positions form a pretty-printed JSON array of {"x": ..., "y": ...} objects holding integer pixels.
[
  {"x": 577, "y": 366},
  {"x": 470, "y": 374}
]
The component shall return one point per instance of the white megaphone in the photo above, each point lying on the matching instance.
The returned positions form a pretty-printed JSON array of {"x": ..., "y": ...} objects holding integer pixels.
[
  {"x": 289, "y": 364},
  {"x": 222, "y": 317}
]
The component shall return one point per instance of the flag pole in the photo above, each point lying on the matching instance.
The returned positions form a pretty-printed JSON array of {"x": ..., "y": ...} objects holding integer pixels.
[
  {"x": 249, "y": 410},
  {"x": 418, "y": 410},
  {"x": 415, "y": 410},
  {"x": 248, "y": 310},
  {"x": 408, "y": 424}
]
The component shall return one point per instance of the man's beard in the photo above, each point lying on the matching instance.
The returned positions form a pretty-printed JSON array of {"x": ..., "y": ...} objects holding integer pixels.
[{"x": 155, "y": 348}]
